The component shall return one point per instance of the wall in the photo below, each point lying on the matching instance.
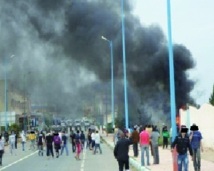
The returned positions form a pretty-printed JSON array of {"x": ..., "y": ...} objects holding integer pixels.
[
  {"x": 10, "y": 116},
  {"x": 204, "y": 118}
]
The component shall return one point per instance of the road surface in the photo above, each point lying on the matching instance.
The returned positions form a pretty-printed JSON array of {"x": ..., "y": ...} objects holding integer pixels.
[{"x": 30, "y": 161}]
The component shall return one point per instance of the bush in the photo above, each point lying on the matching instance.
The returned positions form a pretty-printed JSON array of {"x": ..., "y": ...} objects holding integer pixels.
[
  {"x": 109, "y": 128},
  {"x": 14, "y": 127},
  {"x": 160, "y": 141}
]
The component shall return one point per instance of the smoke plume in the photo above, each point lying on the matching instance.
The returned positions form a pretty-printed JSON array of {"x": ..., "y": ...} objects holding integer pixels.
[{"x": 59, "y": 52}]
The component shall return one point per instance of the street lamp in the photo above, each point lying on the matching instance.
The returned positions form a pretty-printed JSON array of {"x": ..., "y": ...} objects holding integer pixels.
[
  {"x": 172, "y": 83},
  {"x": 124, "y": 67},
  {"x": 5, "y": 90},
  {"x": 171, "y": 72},
  {"x": 112, "y": 78}
]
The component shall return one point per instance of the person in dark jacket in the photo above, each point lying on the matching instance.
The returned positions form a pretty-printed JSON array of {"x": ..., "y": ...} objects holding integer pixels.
[
  {"x": 182, "y": 144},
  {"x": 16, "y": 140},
  {"x": 72, "y": 136},
  {"x": 40, "y": 143},
  {"x": 82, "y": 138},
  {"x": 64, "y": 143},
  {"x": 135, "y": 139},
  {"x": 49, "y": 144},
  {"x": 121, "y": 151}
]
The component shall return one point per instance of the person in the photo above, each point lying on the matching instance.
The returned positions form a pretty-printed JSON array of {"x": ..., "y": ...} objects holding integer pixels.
[
  {"x": 78, "y": 145},
  {"x": 72, "y": 136},
  {"x": 57, "y": 143},
  {"x": 23, "y": 139},
  {"x": 49, "y": 144},
  {"x": 135, "y": 139},
  {"x": 1, "y": 149},
  {"x": 12, "y": 139},
  {"x": 149, "y": 129},
  {"x": 154, "y": 137},
  {"x": 82, "y": 139},
  {"x": 89, "y": 139},
  {"x": 121, "y": 152},
  {"x": 165, "y": 134},
  {"x": 40, "y": 143},
  {"x": 130, "y": 130},
  {"x": 6, "y": 137},
  {"x": 144, "y": 144},
  {"x": 16, "y": 139},
  {"x": 32, "y": 138},
  {"x": 97, "y": 142},
  {"x": 64, "y": 143},
  {"x": 182, "y": 144},
  {"x": 37, "y": 133},
  {"x": 196, "y": 144},
  {"x": 116, "y": 136},
  {"x": 92, "y": 140}
]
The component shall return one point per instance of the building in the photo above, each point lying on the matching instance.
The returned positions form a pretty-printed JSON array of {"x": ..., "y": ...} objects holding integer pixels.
[{"x": 16, "y": 109}]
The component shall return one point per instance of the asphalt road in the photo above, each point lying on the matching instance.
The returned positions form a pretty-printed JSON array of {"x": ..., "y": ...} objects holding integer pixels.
[{"x": 30, "y": 161}]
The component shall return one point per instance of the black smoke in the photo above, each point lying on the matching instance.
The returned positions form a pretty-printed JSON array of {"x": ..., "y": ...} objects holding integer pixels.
[{"x": 59, "y": 52}]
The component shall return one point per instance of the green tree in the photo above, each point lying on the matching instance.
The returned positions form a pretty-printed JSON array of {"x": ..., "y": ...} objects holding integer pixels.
[
  {"x": 14, "y": 127},
  {"x": 109, "y": 127},
  {"x": 211, "y": 99},
  {"x": 48, "y": 119}
]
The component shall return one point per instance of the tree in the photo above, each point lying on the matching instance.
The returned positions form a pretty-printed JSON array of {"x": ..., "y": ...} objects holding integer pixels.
[
  {"x": 211, "y": 99},
  {"x": 14, "y": 127}
]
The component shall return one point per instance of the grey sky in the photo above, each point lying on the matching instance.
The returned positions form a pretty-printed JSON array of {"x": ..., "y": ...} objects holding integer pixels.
[{"x": 192, "y": 26}]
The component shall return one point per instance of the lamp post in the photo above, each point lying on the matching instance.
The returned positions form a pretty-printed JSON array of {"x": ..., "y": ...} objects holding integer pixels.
[
  {"x": 171, "y": 72},
  {"x": 112, "y": 78},
  {"x": 5, "y": 91},
  {"x": 124, "y": 66},
  {"x": 172, "y": 83}
]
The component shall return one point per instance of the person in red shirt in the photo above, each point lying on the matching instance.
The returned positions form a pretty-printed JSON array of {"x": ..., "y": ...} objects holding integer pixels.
[{"x": 144, "y": 144}]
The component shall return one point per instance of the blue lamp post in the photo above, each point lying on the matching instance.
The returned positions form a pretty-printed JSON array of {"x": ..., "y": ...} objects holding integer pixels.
[
  {"x": 171, "y": 72},
  {"x": 124, "y": 66},
  {"x": 112, "y": 78}
]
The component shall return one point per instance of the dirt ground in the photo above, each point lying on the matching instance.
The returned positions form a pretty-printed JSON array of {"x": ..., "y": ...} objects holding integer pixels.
[{"x": 208, "y": 154}]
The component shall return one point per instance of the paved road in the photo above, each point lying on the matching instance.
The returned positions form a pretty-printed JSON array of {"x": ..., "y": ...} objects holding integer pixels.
[{"x": 30, "y": 161}]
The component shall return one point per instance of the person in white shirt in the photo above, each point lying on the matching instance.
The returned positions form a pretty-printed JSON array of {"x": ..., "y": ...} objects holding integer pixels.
[
  {"x": 92, "y": 139},
  {"x": 1, "y": 149},
  {"x": 12, "y": 139},
  {"x": 23, "y": 137},
  {"x": 97, "y": 142}
]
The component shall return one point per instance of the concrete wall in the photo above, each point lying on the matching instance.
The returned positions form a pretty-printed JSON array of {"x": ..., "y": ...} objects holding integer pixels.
[
  {"x": 204, "y": 118},
  {"x": 10, "y": 116}
]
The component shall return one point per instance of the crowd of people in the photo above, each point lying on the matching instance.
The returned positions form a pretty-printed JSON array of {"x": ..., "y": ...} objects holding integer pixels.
[
  {"x": 52, "y": 143},
  {"x": 144, "y": 139},
  {"x": 148, "y": 139}
]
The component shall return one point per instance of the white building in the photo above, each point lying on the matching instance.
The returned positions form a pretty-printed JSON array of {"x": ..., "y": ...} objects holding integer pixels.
[{"x": 8, "y": 117}]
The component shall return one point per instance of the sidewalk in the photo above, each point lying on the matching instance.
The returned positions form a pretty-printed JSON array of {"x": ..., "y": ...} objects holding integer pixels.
[{"x": 165, "y": 159}]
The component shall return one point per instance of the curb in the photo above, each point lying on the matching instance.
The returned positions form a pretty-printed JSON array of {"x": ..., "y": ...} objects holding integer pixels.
[
  {"x": 137, "y": 166},
  {"x": 132, "y": 162}
]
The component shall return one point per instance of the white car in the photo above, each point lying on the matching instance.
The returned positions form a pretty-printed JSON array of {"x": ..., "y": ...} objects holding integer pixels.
[
  {"x": 87, "y": 123},
  {"x": 63, "y": 124},
  {"x": 77, "y": 123}
]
